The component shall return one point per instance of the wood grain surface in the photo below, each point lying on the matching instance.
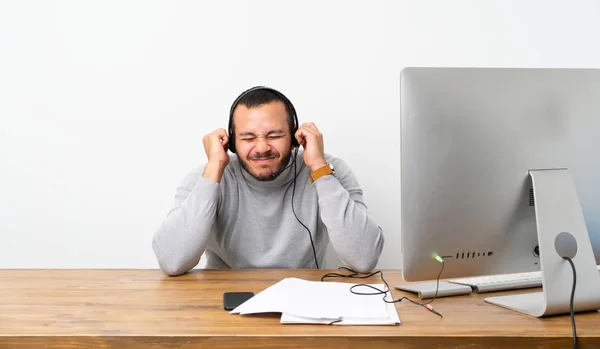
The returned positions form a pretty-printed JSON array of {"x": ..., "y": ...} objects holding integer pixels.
[{"x": 81, "y": 309}]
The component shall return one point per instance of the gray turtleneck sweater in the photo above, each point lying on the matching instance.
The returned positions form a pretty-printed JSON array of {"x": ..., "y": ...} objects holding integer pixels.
[{"x": 245, "y": 223}]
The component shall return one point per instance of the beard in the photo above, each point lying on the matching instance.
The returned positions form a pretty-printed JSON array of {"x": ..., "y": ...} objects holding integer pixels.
[{"x": 268, "y": 175}]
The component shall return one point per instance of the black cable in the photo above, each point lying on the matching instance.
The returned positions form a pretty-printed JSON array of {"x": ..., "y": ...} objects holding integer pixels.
[
  {"x": 294, "y": 211},
  {"x": 437, "y": 283},
  {"x": 572, "y": 301},
  {"x": 356, "y": 275}
]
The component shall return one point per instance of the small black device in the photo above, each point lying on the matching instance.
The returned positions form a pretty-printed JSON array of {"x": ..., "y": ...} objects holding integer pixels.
[{"x": 232, "y": 300}]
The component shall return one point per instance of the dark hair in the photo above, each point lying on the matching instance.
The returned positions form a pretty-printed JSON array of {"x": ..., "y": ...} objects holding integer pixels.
[{"x": 256, "y": 97}]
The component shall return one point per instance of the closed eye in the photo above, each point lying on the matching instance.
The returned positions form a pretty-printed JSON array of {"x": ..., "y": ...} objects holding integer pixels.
[{"x": 252, "y": 138}]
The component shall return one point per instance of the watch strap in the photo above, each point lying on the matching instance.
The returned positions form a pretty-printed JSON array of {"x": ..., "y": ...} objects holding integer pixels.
[{"x": 320, "y": 172}]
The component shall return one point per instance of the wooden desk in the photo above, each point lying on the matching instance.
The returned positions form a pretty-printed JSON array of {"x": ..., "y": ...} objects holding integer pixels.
[{"x": 146, "y": 309}]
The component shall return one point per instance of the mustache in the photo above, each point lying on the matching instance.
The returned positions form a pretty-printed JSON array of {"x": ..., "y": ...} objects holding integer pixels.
[{"x": 269, "y": 155}]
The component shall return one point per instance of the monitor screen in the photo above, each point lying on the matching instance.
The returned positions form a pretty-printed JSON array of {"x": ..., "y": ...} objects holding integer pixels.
[{"x": 469, "y": 139}]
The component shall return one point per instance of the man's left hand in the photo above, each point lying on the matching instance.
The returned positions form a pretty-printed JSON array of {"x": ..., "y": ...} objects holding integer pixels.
[{"x": 311, "y": 139}]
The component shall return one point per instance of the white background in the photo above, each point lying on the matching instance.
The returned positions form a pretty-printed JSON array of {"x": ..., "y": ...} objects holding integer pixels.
[{"x": 103, "y": 104}]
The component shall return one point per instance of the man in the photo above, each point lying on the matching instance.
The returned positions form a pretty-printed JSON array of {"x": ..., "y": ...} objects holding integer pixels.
[{"x": 271, "y": 204}]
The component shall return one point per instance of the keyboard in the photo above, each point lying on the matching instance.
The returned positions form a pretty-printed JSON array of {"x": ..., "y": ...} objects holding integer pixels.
[{"x": 503, "y": 282}]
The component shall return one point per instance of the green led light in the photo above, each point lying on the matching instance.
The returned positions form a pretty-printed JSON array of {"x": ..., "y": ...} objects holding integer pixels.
[{"x": 439, "y": 259}]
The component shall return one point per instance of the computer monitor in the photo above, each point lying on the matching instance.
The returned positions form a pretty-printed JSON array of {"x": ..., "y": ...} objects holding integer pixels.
[{"x": 495, "y": 164}]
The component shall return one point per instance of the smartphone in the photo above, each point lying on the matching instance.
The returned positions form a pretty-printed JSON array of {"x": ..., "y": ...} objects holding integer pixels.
[{"x": 232, "y": 300}]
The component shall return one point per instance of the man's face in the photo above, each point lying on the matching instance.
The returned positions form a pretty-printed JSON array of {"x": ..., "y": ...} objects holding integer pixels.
[{"x": 263, "y": 140}]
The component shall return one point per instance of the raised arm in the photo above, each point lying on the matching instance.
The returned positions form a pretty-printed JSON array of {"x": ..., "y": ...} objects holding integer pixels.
[
  {"x": 182, "y": 238},
  {"x": 354, "y": 236},
  {"x": 357, "y": 240}
]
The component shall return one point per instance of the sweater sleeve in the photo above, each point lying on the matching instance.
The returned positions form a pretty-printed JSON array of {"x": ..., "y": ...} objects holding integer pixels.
[
  {"x": 182, "y": 238},
  {"x": 354, "y": 236}
]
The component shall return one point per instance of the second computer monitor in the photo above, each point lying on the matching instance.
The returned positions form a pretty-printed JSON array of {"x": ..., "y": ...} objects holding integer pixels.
[{"x": 469, "y": 139}]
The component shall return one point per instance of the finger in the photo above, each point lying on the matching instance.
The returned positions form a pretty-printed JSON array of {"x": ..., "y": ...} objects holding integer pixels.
[
  {"x": 221, "y": 132},
  {"x": 300, "y": 137},
  {"x": 308, "y": 131},
  {"x": 310, "y": 135},
  {"x": 311, "y": 126},
  {"x": 221, "y": 135},
  {"x": 224, "y": 139}
]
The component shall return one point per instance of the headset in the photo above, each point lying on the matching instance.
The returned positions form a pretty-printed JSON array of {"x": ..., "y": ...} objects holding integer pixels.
[{"x": 286, "y": 101}]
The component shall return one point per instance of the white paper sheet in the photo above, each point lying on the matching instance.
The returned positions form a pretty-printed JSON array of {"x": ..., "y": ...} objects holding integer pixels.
[{"x": 302, "y": 301}]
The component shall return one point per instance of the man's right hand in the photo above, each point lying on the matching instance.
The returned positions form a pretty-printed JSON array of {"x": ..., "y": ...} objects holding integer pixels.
[{"x": 215, "y": 146}]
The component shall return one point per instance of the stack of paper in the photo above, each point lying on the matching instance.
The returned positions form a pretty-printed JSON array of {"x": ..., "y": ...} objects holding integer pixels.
[{"x": 314, "y": 302}]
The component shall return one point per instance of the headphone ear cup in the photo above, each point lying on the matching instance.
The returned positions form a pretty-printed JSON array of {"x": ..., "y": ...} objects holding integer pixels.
[{"x": 231, "y": 142}]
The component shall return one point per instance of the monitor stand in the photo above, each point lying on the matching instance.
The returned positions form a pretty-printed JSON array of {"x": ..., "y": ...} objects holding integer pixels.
[{"x": 557, "y": 210}]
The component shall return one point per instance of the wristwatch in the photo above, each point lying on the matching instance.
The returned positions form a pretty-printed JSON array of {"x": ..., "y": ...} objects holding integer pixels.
[{"x": 323, "y": 171}]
